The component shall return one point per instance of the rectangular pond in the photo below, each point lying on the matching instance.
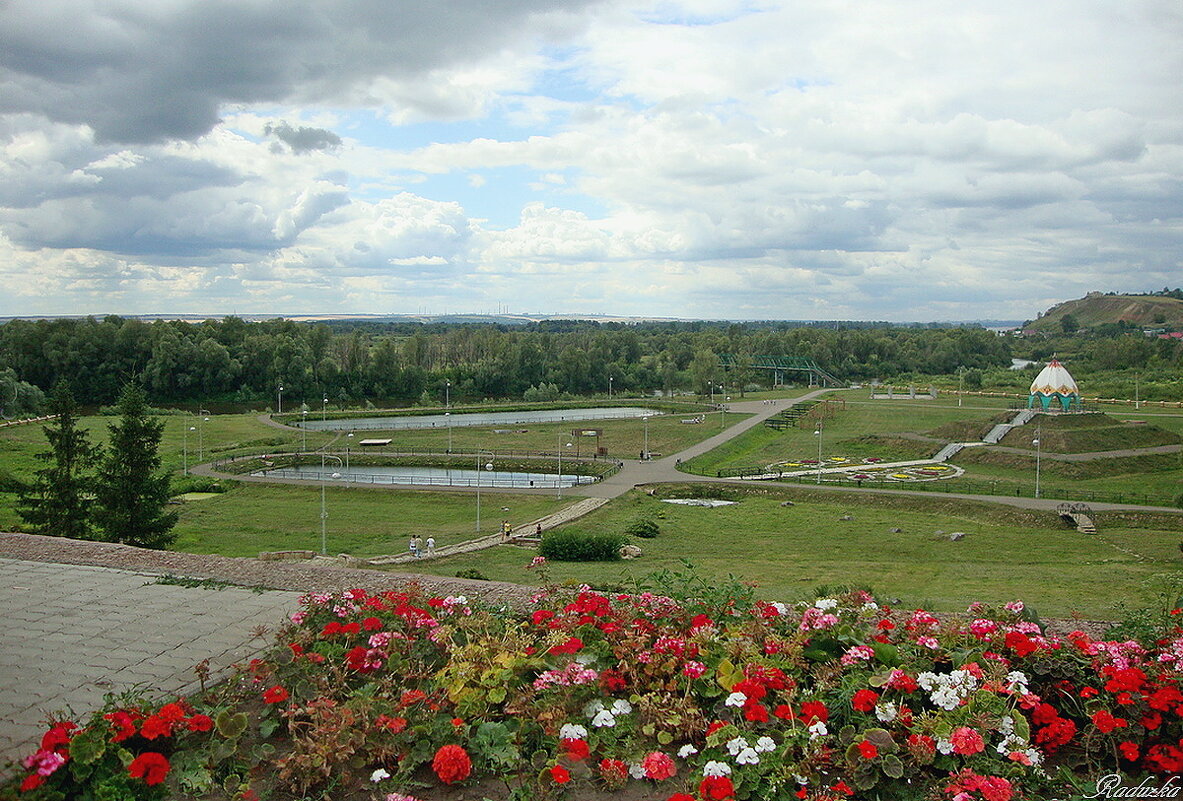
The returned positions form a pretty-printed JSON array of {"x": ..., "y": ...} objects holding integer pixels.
[
  {"x": 428, "y": 476},
  {"x": 421, "y": 421}
]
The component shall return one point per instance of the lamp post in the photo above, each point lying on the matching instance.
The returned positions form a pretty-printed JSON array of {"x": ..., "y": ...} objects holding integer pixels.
[
  {"x": 347, "y": 438},
  {"x": 447, "y": 394},
  {"x": 722, "y": 410},
  {"x": 203, "y": 416},
  {"x": 559, "y": 483},
  {"x": 448, "y": 415},
  {"x": 187, "y": 430},
  {"x": 324, "y": 408},
  {"x": 646, "y": 419},
  {"x": 818, "y": 433},
  {"x": 960, "y": 383},
  {"x": 279, "y": 401},
  {"x": 1035, "y": 442},
  {"x": 304, "y": 430},
  {"x": 324, "y": 514},
  {"x": 488, "y": 466},
  {"x": 610, "y": 380}
]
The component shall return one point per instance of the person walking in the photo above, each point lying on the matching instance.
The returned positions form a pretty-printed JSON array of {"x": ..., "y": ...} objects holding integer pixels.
[
  {"x": 430, "y": 547},
  {"x": 415, "y": 542}
]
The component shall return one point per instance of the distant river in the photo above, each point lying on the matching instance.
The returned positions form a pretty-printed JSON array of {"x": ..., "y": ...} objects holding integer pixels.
[{"x": 420, "y": 421}]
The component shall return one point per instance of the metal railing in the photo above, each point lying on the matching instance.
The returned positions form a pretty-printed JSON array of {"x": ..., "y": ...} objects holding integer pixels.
[{"x": 490, "y": 481}]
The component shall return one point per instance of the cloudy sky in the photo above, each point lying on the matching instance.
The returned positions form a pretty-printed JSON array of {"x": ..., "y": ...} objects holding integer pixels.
[{"x": 804, "y": 159}]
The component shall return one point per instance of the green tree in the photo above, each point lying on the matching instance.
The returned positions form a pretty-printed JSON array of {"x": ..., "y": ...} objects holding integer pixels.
[
  {"x": 131, "y": 490},
  {"x": 58, "y": 501},
  {"x": 1069, "y": 324}
]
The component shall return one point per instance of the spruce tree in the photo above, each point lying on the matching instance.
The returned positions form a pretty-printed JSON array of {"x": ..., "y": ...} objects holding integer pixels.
[
  {"x": 131, "y": 490},
  {"x": 58, "y": 502}
]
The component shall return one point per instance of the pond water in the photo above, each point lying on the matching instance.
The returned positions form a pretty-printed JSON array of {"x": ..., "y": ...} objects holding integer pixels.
[
  {"x": 428, "y": 476},
  {"x": 421, "y": 421}
]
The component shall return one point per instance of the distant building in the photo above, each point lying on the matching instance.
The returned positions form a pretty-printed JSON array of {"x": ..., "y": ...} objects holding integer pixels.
[{"x": 1054, "y": 383}]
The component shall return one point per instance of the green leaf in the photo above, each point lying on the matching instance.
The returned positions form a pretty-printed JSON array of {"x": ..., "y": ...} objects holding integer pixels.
[
  {"x": 664, "y": 737},
  {"x": 267, "y": 728},
  {"x": 887, "y": 654},
  {"x": 497, "y": 695},
  {"x": 893, "y": 766},
  {"x": 230, "y": 725},
  {"x": 1022, "y": 727},
  {"x": 88, "y": 747}
]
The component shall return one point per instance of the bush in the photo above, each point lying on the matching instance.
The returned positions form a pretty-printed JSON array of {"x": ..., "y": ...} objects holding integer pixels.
[
  {"x": 643, "y": 528},
  {"x": 574, "y": 546},
  {"x": 472, "y": 573},
  {"x": 185, "y": 484},
  {"x": 1179, "y": 500}
]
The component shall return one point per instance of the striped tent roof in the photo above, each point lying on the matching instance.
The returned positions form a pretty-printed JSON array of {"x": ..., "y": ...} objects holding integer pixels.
[{"x": 1054, "y": 379}]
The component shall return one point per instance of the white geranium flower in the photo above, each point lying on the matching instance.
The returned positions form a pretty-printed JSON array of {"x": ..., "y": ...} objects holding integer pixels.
[
  {"x": 594, "y": 708},
  {"x": 379, "y": 775},
  {"x": 621, "y": 707},
  {"x": 886, "y": 712},
  {"x": 636, "y": 770},
  {"x": 686, "y": 751},
  {"x": 603, "y": 719},
  {"x": 748, "y": 756},
  {"x": 714, "y": 768},
  {"x": 572, "y": 731},
  {"x": 736, "y": 700},
  {"x": 944, "y": 746},
  {"x": 818, "y": 730},
  {"x": 825, "y": 603},
  {"x": 765, "y": 745},
  {"x": 736, "y": 745}
]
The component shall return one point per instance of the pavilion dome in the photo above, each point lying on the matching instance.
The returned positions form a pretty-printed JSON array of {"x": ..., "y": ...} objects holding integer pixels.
[
  {"x": 1054, "y": 379},
  {"x": 1054, "y": 383}
]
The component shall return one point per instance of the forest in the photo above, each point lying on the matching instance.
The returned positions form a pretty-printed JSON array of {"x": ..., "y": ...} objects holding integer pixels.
[{"x": 348, "y": 362}]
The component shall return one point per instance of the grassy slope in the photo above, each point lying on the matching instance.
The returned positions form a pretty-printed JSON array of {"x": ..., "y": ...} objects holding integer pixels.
[
  {"x": 1099, "y": 309},
  {"x": 788, "y": 551}
]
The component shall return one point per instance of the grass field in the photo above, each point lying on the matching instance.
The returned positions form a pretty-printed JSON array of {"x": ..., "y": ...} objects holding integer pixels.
[
  {"x": 362, "y": 521},
  {"x": 789, "y": 551}
]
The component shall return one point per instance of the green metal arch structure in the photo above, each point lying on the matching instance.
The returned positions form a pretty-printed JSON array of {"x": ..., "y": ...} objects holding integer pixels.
[{"x": 780, "y": 365}]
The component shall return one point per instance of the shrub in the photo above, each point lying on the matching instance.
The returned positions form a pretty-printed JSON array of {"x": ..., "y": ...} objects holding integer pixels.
[
  {"x": 197, "y": 484},
  {"x": 644, "y": 528},
  {"x": 574, "y": 546},
  {"x": 472, "y": 573},
  {"x": 1179, "y": 500}
]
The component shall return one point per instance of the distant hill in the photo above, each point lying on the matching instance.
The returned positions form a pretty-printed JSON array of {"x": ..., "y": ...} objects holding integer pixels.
[{"x": 1094, "y": 309}]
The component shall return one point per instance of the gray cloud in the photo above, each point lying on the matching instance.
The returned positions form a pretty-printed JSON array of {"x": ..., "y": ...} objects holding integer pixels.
[
  {"x": 304, "y": 139},
  {"x": 143, "y": 71}
]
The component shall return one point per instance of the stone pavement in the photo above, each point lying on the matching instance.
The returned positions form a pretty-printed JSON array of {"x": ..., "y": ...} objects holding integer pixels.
[{"x": 74, "y": 633}]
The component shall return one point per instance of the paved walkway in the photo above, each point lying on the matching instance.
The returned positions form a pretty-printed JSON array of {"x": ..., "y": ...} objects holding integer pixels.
[{"x": 74, "y": 633}]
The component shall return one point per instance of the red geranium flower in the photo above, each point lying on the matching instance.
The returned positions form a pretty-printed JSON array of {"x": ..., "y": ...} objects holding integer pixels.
[
  {"x": 865, "y": 700},
  {"x": 451, "y": 764},
  {"x": 156, "y": 726},
  {"x": 868, "y": 749},
  {"x": 716, "y": 788},
  {"x": 967, "y": 741},
  {"x": 812, "y": 711},
  {"x": 572, "y": 645},
  {"x": 659, "y": 766},
  {"x": 123, "y": 724},
  {"x": 681, "y": 797},
  {"x": 560, "y": 774},
  {"x": 275, "y": 695},
  {"x": 613, "y": 772},
  {"x": 200, "y": 723},
  {"x": 1104, "y": 720},
  {"x": 575, "y": 749},
  {"x": 149, "y": 766},
  {"x": 58, "y": 736}
]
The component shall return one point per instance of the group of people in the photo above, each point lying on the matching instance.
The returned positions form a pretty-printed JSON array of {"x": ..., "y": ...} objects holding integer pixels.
[{"x": 417, "y": 547}]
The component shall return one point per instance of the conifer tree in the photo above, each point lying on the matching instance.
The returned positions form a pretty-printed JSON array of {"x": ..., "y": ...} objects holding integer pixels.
[
  {"x": 59, "y": 501},
  {"x": 131, "y": 490}
]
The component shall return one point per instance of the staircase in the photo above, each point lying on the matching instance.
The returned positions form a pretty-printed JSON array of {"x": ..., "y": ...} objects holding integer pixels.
[
  {"x": 1078, "y": 515},
  {"x": 948, "y": 452},
  {"x": 999, "y": 431}
]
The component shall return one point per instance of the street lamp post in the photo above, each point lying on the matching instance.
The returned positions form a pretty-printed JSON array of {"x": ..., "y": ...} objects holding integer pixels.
[
  {"x": 960, "y": 383},
  {"x": 722, "y": 410},
  {"x": 324, "y": 408},
  {"x": 559, "y": 483},
  {"x": 488, "y": 466},
  {"x": 304, "y": 430},
  {"x": 447, "y": 394},
  {"x": 1035, "y": 442},
  {"x": 187, "y": 430},
  {"x": 449, "y": 416},
  {"x": 610, "y": 380},
  {"x": 646, "y": 419},
  {"x": 203, "y": 416},
  {"x": 324, "y": 514},
  {"x": 818, "y": 433},
  {"x": 347, "y": 438},
  {"x": 279, "y": 401}
]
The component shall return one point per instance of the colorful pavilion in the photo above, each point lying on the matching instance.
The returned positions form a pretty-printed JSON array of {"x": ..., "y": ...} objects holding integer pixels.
[{"x": 1054, "y": 383}]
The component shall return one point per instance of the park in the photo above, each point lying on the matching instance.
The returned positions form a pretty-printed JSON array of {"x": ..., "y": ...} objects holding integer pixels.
[{"x": 804, "y": 520}]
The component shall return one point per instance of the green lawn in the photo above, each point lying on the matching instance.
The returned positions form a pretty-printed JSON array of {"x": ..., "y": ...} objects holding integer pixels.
[
  {"x": 362, "y": 521},
  {"x": 788, "y": 551}
]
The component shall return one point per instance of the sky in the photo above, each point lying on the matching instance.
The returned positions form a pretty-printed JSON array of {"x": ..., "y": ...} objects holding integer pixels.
[{"x": 718, "y": 159}]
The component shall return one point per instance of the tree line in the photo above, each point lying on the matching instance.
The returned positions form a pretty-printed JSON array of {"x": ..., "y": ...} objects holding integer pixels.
[{"x": 349, "y": 362}]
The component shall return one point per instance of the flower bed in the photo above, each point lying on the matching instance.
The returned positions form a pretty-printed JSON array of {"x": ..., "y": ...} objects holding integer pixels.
[{"x": 393, "y": 695}]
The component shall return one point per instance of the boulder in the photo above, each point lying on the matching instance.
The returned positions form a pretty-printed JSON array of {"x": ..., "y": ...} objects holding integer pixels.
[{"x": 630, "y": 551}]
